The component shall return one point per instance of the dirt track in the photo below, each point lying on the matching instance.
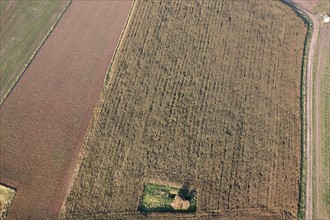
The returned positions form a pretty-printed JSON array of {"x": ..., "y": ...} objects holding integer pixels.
[
  {"x": 309, "y": 106},
  {"x": 44, "y": 120},
  {"x": 309, "y": 118}
]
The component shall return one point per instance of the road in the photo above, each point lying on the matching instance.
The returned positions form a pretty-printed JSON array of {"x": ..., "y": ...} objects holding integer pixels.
[{"x": 309, "y": 109}]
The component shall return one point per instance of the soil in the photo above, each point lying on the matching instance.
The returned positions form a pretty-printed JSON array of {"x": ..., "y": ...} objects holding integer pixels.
[{"x": 44, "y": 119}]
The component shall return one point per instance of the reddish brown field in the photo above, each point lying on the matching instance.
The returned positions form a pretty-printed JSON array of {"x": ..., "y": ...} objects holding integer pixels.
[{"x": 44, "y": 120}]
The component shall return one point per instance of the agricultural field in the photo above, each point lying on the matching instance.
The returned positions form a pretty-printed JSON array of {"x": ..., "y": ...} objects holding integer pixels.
[
  {"x": 322, "y": 7},
  {"x": 204, "y": 93},
  {"x": 326, "y": 139},
  {"x": 322, "y": 119},
  {"x": 24, "y": 26},
  {"x": 46, "y": 115}
]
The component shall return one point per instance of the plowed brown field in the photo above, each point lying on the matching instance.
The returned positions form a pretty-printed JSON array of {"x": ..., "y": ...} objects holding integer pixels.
[
  {"x": 205, "y": 93},
  {"x": 44, "y": 119}
]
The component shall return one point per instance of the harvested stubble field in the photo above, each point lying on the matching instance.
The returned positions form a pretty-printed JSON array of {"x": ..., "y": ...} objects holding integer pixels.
[
  {"x": 45, "y": 117},
  {"x": 322, "y": 85},
  {"x": 24, "y": 25},
  {"x": 205, "y": 93}
]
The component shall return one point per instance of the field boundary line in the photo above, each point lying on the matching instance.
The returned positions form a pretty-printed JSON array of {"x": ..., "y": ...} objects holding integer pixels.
[
  {"x": 222, "y": 214},
  {"x": 96, "y": 113},
  {"x": 27, "y": 64}
]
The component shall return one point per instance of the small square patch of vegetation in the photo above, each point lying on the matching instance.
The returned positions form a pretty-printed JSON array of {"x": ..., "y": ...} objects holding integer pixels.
[
  {"x": 6, "y": 198},
  {"x": 161, "y": 198}
]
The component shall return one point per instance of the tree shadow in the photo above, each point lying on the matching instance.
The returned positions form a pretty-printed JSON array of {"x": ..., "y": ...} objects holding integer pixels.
[{"x": 186, "y": 192}]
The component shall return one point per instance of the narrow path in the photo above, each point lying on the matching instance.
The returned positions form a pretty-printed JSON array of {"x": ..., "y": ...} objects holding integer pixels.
[
  {"x": 309, "y": 118},
  {"x": 309, "y": 110}
]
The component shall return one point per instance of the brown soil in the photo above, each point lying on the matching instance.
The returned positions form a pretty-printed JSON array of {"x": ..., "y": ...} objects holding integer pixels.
[{"x": 44, "y": 120}]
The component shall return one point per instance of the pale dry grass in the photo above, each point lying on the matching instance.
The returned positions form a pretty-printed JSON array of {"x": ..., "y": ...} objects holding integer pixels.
[{"x": 6, "y": 198}]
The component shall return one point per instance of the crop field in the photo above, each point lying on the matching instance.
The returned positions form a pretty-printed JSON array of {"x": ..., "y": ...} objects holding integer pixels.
[
  {"x": 24, "y": 25},
  {"x": 324, "y": 68},
  {"x": 46, "y": 115},
  {"x": 204, "y": 93}
]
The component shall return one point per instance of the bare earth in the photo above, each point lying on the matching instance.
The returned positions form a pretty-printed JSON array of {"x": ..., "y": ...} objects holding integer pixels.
[{"x": 44, "y": 119}]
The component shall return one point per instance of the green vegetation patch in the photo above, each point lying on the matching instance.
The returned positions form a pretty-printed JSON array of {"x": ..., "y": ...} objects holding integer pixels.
[
  {"x": 160, "y": 198},
  {"x": 6, "y": 198}
]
